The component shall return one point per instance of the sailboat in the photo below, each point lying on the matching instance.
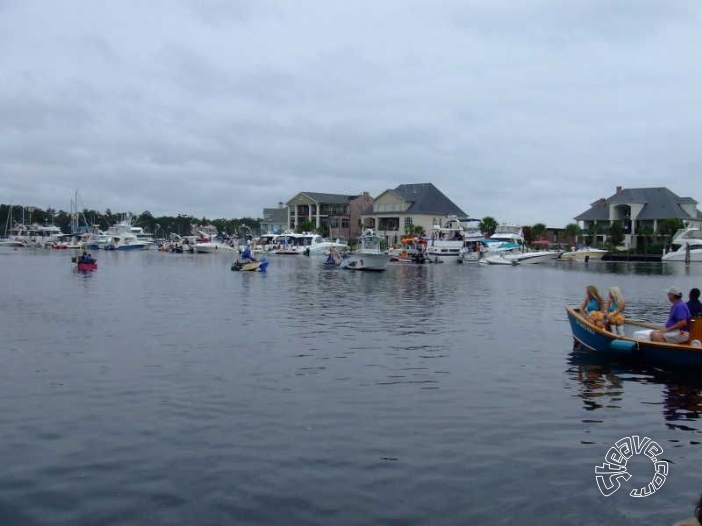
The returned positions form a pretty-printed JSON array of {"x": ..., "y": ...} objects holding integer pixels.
[{"x": 11, "y": 241}]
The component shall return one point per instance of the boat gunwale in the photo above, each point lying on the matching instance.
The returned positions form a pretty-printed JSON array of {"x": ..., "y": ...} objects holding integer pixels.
[{"x": 576, "y": 312}]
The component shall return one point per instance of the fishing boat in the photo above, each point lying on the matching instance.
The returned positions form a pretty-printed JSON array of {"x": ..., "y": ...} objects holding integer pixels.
[
  {"x": 595, "y": 338},
  {"x": 368, "y": 256},
  {"x": 250, "y": 266},
  {"x": 449, "y": 239}
]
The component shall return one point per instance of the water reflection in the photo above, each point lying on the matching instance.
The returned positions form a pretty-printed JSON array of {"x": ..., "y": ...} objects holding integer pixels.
[
  {"x": 603, "y": 381},
  {"x": 633, "y": 267}
]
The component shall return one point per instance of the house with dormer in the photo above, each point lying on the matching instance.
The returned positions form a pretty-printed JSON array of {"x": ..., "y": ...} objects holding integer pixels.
[
  {"x": 638, "y": 210},
  {"x": 397, "y": 209}
]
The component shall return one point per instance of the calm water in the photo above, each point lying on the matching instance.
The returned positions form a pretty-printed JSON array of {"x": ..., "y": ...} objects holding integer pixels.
[{"x": 166, "y": 389}]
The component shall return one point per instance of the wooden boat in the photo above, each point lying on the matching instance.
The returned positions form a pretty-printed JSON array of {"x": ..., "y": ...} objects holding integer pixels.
[
  {"x": 595, "y": 338},
  {"x": 250, "y": 266}
]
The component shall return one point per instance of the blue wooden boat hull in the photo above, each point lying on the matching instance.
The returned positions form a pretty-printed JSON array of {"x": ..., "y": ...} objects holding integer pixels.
[{"x": 596, "y": 339}]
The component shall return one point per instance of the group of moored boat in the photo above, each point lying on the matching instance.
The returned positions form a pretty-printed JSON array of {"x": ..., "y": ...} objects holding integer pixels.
[{"x": 452, "y": 240}]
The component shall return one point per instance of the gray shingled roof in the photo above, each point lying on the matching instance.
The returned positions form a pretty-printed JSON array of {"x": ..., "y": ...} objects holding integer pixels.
[
  {"x": 331, "y": 199},
  {"x": 659, "y": 203},
  {"x": 425, "y": 198},
  {"x": 275, "y": 215},
  {"x": 599, "y": 211}
]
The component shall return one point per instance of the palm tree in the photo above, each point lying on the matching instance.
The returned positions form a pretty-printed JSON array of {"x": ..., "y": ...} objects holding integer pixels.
[
  {"x": 488, "y": 226},
  {"x": 572, "y": 231},
  {"x": 616, "y": 233},
  {"x": 592, "y": 232}
]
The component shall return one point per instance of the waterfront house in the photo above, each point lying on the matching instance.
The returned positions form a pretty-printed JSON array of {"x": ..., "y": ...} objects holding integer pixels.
[
  {"x": 639, "y": 210},
  {"x": 275, "y": 220},
  {"x": 337, "y": 215},
  {"x": 394, "y": 211}
]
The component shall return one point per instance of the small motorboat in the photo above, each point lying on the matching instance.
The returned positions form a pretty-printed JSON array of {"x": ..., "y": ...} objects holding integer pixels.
[
  {"x": 584, "y": 254},
  {"x": 635, "y": 343},
  {"x": 250, "y": 266}
]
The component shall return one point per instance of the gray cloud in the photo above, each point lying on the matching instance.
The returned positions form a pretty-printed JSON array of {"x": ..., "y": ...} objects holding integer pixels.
[{"x": 525, "y": 111}]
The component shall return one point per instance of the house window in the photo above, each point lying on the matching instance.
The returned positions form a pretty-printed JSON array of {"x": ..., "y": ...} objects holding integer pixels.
[
  {"x": 389, "y": 223},
  {"x": 344, "y": 222},
  {"x": 408, "y": 222}
]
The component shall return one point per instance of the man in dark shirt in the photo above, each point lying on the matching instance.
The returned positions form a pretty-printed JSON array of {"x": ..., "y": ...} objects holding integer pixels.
[{"x": 694, "y": 304}]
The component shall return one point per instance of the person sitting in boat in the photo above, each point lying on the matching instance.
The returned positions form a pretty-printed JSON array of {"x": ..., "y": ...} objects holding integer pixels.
[
  {"x": 694, "y": 305},
  {"x": 330, "y": 259},
  {"x": 614, "y": 319},
  {"x": 676, "y": 327},
  {"x": 592, "y": 304},
  {"x": 85, "y": 257},
  {"x": 246, "y": 255}
]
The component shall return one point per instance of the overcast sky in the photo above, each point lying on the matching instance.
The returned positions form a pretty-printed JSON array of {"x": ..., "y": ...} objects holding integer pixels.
[{"x": 524, "y": 110}]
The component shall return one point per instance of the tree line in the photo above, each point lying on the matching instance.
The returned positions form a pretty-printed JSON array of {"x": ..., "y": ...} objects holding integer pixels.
[{"x": 159, "y": 226}]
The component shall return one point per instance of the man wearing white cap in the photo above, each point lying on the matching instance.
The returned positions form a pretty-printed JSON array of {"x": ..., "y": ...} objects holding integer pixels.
[{"x": 676, "y": 328}]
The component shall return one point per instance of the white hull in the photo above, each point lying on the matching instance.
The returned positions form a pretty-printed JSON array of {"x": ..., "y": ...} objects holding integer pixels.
[
  {"x": 591, "y": 254},
  {"x": 532, "y": 258},
  {"x": 12, "y": 243},
  {"x": 362, "y": 261},
  {"x": 497, "y": 259},
  {"x": 679, "y": 255},
  {"x": 470, "y": 257},
  {"x": 291, "y": 251},
  {"x": 214, "y": 248},
  {"x": 442, "y": 258},
  {"x": 324, "y": 247}
]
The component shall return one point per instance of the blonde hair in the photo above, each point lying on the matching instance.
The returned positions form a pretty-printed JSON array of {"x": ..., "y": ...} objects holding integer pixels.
[
  {"x": 594, "y": 293},
  {"x": 616, "y": 295}
]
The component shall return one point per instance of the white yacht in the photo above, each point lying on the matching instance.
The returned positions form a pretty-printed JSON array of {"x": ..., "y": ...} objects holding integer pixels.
[
  {"x": 307, "y": 243},
  {"x": 264, "y": 243},
  {"x": 143, "y": 235},
  {"x": 215, "y": 247},
  {"x": 122, "y": 238},
  {"x": 507, "y": 238},
  {"x": 689, "y": 245},
  {"x": 453, "y": 239},
  {"x": 35, "y": 235},
  {"x": 368, "y": 256}
]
